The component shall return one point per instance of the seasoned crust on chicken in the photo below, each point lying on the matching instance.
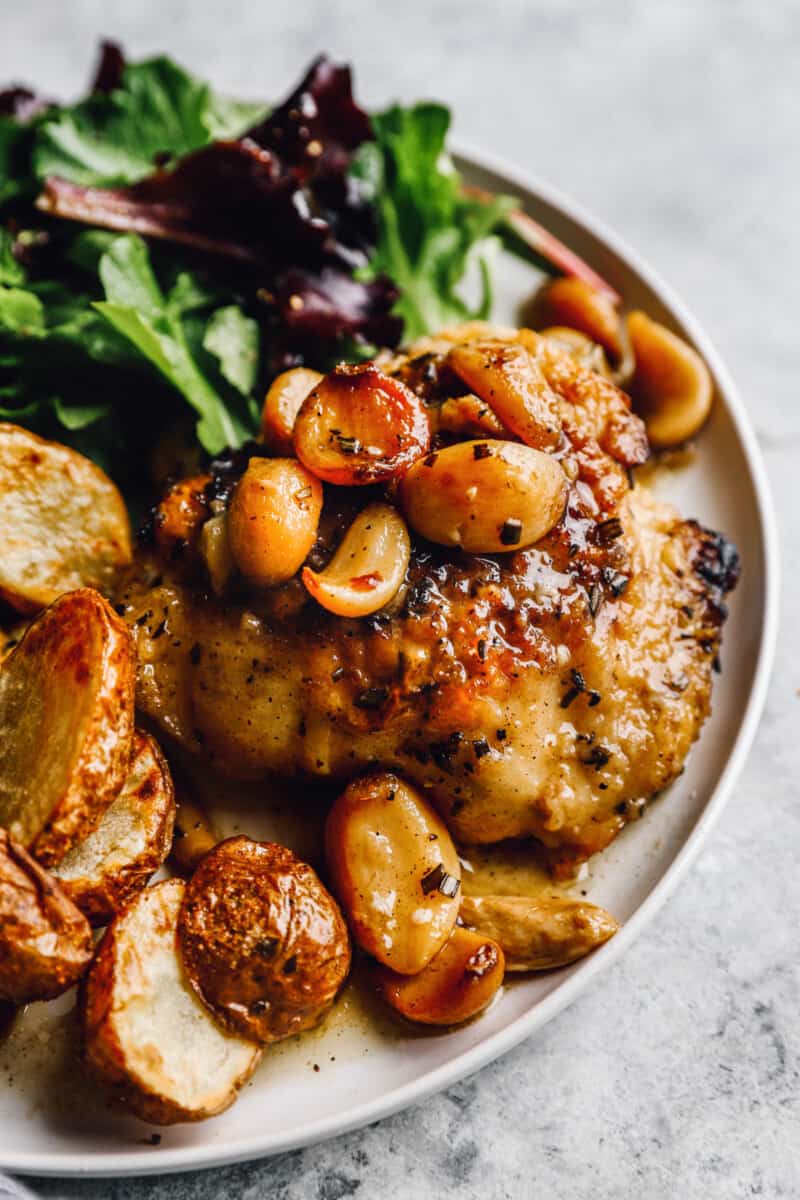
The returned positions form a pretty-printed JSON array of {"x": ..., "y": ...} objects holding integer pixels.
[{"x": 549, "y": 692}]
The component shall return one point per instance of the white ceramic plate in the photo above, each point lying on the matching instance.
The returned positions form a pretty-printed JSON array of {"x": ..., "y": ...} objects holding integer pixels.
[{"x": 52, "y": 1122}]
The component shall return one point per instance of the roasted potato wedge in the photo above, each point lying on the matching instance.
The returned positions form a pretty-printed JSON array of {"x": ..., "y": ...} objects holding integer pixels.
[
  {"x": 104, "y": 872},
  {"x": 146, "y": 1035},
  {"x": 66, "y": 724},
  {"x": 263, "y": 942},
  {"x": 537, "y": 935},
  {"x": 63, "y": 524},
  {"x": 45, "y": 943}
]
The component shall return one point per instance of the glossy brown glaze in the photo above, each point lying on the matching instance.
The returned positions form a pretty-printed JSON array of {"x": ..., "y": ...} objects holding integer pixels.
[{"x": 550, "y": 691}]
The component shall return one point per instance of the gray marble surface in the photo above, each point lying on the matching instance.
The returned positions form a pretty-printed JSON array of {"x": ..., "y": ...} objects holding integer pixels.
[{"x": 678, "y": 1073}]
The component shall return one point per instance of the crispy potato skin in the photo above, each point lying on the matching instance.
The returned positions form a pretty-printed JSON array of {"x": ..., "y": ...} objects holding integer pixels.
[
  {"x": 263, "y": 942},
  {"x": 115, "y": 980},
  {"x": 538, "y": 935},
  {"x": 45, "y": 943},
  {"x": 102, "y": 873},
  {"x": 66, "y": 723},
  {"x": 63, "y": 524}
]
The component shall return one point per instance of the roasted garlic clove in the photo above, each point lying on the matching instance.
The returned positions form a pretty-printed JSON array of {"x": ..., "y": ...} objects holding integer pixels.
[
  {"x": 460, "y": 982},
  {"x": 394, "y": 870},
  {"x": 671, "y": 386},
  {"x": 486, "y": 496},
  {"x": 537, "y": 935},
  {"x": 282, "y": 403},
  {"x": 180, "y": 515},
  {"x": 507, "y": 378},
  {"x": 273, "y": 518},
  {"x": 469, "y": 416},
  {"x": 369, "y": 566},
  {"x": 359, "y": 426},
  {"x": 576, "y": 304},
  {"x": 215, "y": 548}
]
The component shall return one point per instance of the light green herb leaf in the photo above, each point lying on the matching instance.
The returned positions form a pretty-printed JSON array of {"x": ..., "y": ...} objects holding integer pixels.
[
  {"x": 116, "y": 138},
  {"x": 430, "y": 233},
  {"x": 234, "y": 338},
  {"x": 79, "y": 416},
  {"x": 136, "y": 307}
]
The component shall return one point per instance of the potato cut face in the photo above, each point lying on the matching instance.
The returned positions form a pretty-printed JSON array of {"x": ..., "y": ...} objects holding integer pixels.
[
  {"x": 263, "y": 941},
  {"x": 63, "y": 524},
  {"x": 66, "y": 724},
  {"x": 45, "y": 943},
  {"x": 104, "y": 872},
  {"x": 146, "y": 1034}
]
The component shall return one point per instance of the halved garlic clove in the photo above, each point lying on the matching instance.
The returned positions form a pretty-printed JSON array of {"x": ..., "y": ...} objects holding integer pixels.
[
  {"x": 272, "y": 519},
  {"x": 360, "y": 426},
  {"x": 511, "y": 382},
  {"x": 456, "y": 985},
  {"x": 216, "y": 551},
  {"x": 575, "y": 303},
  {"x": 539, "y": 934},
  {"x": 671, "y": 387},
  {"x": 282, "y": 403},
  {"x": 369, "y": 566},
  {"x": 489, "y": 497}
]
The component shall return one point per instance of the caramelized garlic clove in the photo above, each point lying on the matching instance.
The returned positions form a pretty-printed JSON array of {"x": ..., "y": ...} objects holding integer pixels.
[
  {"x": 671, "y": 386},
  {"x": 575, "y": 303},
  {"x": 369, "y": 566},
  {"x": 360, "y": 426},
  {"x": 511, "y": 382},
  {"x": 273, "y": 519},
  {"x": 580, "y": 347},
  {"x": 394, "y": 869},
  {"x": 486, "y": 496},
  {"x": 216, "y": 551},
  {"x": 456, "y": 985},
  {"x": 538, "y": 935},
  {"x": 282, "y": 403},
  {"x": 469, "y": 416}
]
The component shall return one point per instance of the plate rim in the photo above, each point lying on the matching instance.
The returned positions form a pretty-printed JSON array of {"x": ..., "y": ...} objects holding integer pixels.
[{"x": 206, "y": 1157}]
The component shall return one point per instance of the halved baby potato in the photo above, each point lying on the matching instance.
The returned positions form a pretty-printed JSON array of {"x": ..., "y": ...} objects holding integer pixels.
[
  {"x": 104, "y": 872},
  {"x": 146, "y": 1035},
  {"x": 263, "y": 941},
  {"x": 63, "y": 524},
  {"x": 538, "y": 935},
  {"x": 45, "y": 943},
  {"x": 66, "y": 724}
]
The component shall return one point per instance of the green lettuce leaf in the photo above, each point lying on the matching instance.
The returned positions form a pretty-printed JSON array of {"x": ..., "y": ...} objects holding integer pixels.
[
  {"x": 153, "y": 322},
  {"x": 159, "y": 112},
  {"x": 430, "y": 233}
]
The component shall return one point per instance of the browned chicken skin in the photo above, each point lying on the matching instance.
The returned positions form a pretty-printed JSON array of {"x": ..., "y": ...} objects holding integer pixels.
[{"x": 548, "y": 692}]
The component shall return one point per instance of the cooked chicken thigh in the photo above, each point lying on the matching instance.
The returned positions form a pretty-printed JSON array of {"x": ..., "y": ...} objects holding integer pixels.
[{"x": 550, "y": 691}]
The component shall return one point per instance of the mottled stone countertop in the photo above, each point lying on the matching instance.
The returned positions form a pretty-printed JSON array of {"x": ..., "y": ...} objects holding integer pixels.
[{"x": 678, "y": 1073}]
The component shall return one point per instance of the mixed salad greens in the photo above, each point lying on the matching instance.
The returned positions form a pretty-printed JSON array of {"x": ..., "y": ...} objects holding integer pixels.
[{"x": 162, "y": 245}]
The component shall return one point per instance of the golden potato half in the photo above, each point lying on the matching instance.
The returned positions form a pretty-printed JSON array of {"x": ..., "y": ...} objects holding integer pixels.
[
  {"x": 45, "y": 943},
  {"x": 146, "y": 1035},
  {"x": 104, "y": 872},
  {"x": 63, "y": 524},
  {"x": 263, "y": 941},
  {"x": 66, "y": 724}
]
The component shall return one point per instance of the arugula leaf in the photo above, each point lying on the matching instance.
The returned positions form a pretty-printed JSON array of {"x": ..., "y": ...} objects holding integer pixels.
[
  {"x": 11, "y": 271},
  {"x": 153, "y": 322},
  {"x": 234, "y": 339},
  {"x": 115, "y": 138},
  {"x": 429, "y": 232}
]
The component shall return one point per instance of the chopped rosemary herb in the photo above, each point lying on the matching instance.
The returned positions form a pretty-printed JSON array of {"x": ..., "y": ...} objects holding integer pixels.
[{"x": 511, "y": 532}]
